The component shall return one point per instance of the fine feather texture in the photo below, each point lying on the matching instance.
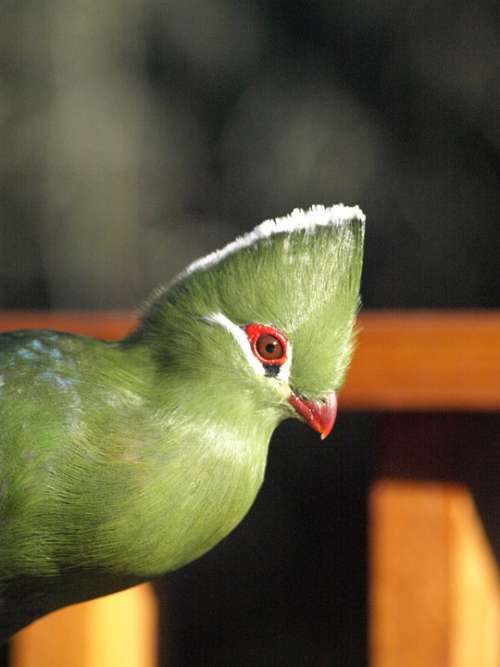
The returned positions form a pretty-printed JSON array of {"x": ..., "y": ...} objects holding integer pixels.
[
  {"x": 297, "y": 220},
  {"x": 303, "y": 279},
  {"x": 121, "y": 461}
]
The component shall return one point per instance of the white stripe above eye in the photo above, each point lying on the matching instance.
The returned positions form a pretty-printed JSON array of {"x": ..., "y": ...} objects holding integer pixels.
[{"x": 242, "y": 339}]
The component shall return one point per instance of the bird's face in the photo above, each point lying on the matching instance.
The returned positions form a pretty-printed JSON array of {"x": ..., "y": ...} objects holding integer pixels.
[
  {"x": 266, "y": 357},
  {"x": 269, "y": 319}
]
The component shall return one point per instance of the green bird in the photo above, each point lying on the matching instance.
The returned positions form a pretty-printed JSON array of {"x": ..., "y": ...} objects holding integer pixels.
[{"x": 120, "y": 461}]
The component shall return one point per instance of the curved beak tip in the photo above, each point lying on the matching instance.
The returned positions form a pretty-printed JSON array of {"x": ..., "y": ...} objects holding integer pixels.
[{"x": 320, "y": 415}]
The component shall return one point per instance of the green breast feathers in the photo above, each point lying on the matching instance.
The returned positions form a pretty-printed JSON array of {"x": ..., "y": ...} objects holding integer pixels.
[{"x": 120, "y": 461}]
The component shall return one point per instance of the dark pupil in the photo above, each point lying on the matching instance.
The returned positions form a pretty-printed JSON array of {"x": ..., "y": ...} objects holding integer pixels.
[{"x": 269, "y": 347}]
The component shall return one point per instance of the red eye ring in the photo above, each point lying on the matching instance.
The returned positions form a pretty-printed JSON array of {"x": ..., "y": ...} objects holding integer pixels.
[{"x": 256, "y": 331}]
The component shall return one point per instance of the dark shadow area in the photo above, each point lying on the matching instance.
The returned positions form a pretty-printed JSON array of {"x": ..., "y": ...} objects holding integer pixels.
[
  {"x": 122, "y": 163},
  {"x": 457, "y": 448},
  {"x": 288, "y": 586}
]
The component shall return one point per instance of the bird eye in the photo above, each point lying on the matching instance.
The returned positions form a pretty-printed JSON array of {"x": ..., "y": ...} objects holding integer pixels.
[
  {"x": 269, "y": 347},
  {"x": 268, "y": 344}
]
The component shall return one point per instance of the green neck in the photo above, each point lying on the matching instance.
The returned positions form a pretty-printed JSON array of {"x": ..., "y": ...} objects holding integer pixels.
[{"x": 193, "y": 477}]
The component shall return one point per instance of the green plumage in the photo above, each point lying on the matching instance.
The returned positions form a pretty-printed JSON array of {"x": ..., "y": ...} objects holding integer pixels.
[{"x": 121, "y": 461}]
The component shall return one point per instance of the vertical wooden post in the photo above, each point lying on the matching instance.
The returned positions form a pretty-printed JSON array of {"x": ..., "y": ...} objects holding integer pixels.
[
  {"x": 434, "y": 597},
  {"x": 114, "y": 631},
  {"x": 434, "y": 585}
]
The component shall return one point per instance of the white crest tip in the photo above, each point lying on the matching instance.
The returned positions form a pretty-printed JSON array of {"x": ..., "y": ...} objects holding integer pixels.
[
  {"x": 299, "y": 219},
  {"x": 315, "y": 216}
]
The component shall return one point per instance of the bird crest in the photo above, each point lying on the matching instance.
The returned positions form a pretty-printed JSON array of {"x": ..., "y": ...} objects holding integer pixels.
[{"x": 298, "y": 274}]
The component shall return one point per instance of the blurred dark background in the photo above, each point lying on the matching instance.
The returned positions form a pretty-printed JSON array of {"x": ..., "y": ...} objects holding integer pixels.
[{"x": 138, "y": 135}]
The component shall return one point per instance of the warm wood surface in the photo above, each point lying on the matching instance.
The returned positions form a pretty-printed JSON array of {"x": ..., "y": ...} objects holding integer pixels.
[
  {"x": 101, "y": 324},
  {"x": 115, "y": 631},
  {"x": 434, "y": 594},
  {"x": 426, "y": 361},
  {"x": 413, "y": 360},
  {"x": 434, "y": 542}
]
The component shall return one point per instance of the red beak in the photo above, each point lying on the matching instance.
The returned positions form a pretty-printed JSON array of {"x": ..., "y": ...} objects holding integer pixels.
[{"x": 320, "y": 415}]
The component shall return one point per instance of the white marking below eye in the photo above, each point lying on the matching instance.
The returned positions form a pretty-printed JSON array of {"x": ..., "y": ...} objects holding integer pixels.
[{"x": 242, "y": 339}]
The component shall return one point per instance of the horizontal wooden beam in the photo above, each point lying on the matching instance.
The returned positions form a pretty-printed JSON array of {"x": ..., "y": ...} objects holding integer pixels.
[
  {"x": 108, "y": 324},
  {"x": 426, "y": 361},
  {"x": 408, "y": 360}
]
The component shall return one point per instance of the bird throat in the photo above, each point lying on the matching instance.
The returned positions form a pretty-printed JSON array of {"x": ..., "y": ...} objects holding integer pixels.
[{"x": 205, "y": 489}]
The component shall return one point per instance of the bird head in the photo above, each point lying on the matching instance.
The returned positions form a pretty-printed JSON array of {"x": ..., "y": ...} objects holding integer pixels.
[{"x": 269, "y": 318}]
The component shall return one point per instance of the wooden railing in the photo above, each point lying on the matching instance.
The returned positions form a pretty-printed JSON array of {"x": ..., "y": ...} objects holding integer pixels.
[
  {"x": 433, "y": 573},
  {"x": 405, "y": 360}
]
